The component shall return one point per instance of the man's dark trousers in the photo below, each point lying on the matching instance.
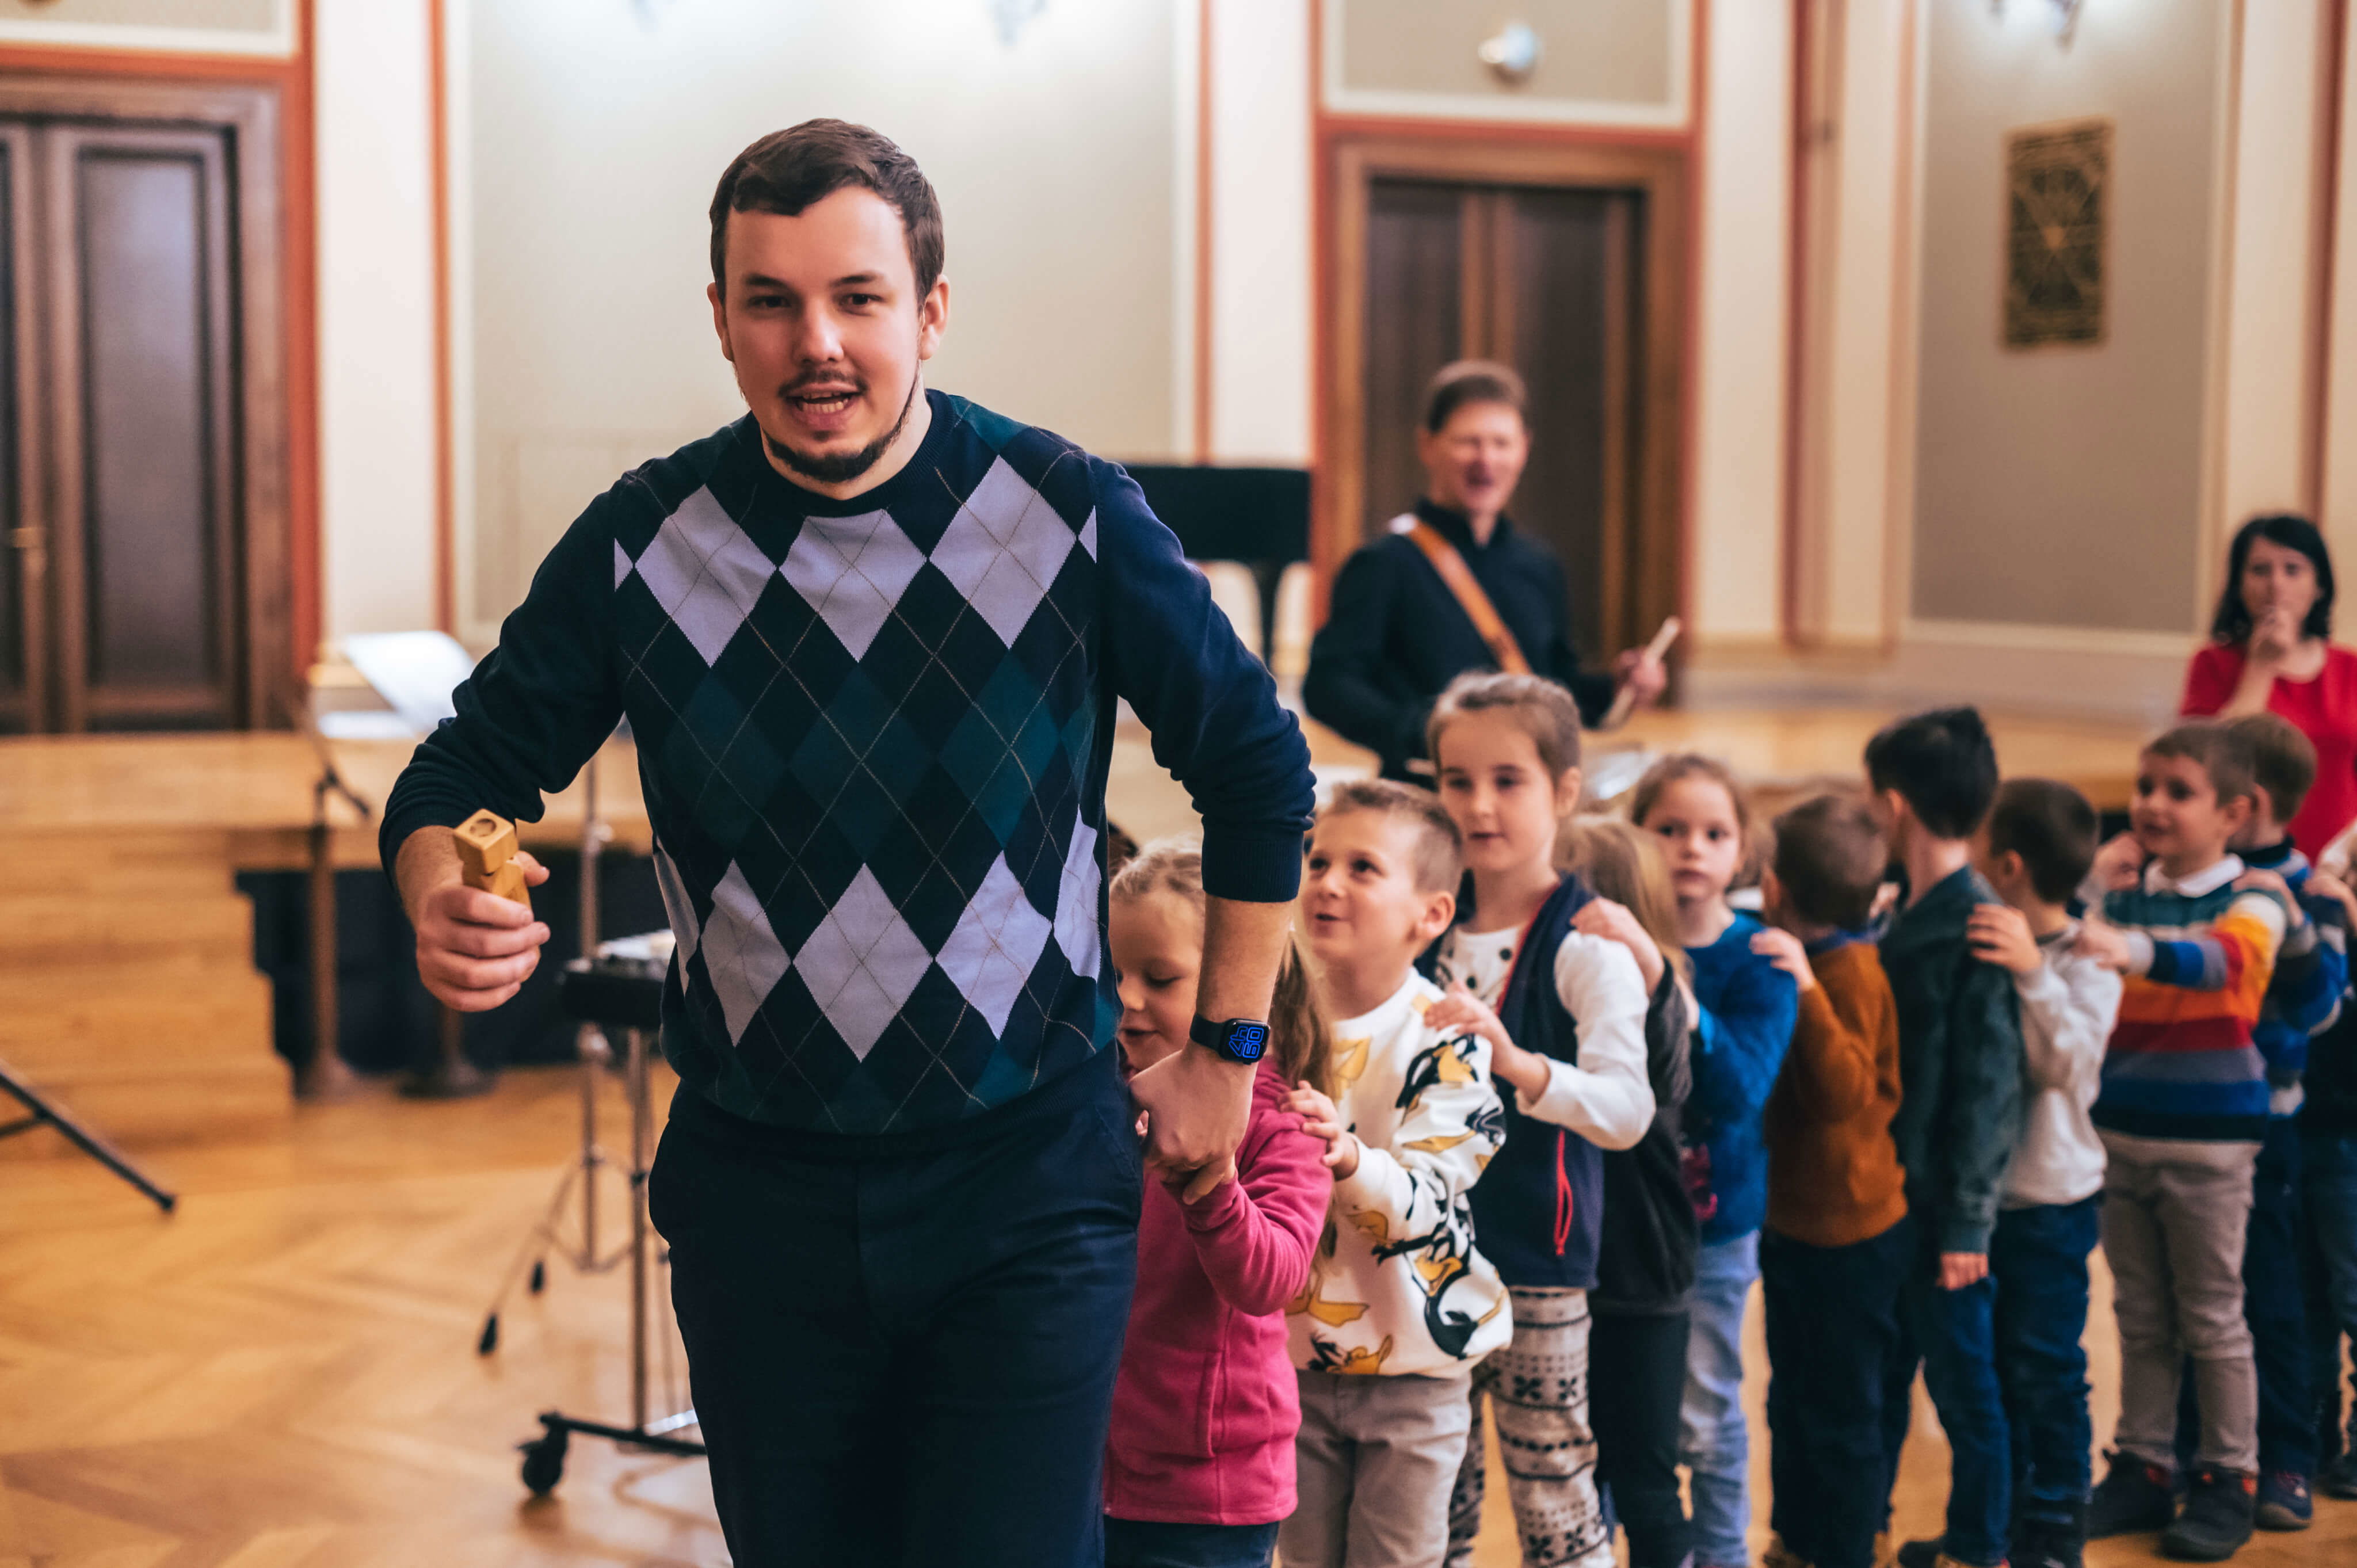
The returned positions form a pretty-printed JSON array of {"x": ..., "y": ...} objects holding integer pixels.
[
  {"x": 902, "y": 1350},
  {"x": 2039, "y": 1258},
  {"x": 1833, "y": 1328}
]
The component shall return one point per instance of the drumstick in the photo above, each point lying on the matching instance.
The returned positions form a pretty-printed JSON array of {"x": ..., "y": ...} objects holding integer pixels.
[{"x": 1626, "y": 699}]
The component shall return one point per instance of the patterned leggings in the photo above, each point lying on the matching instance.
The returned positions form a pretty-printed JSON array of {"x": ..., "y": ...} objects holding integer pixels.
[{"x": 1538, "y": 1386}]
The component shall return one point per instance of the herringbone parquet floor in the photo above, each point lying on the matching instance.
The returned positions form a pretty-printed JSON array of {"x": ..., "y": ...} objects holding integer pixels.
[{"x": 283, "y": 1375}]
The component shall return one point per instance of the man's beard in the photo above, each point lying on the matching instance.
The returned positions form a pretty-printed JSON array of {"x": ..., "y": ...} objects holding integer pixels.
[{"x": 844, "y": 470}]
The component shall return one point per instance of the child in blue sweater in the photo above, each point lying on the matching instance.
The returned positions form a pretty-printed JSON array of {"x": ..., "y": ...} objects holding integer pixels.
[{"x": 1747, "y": 1008}]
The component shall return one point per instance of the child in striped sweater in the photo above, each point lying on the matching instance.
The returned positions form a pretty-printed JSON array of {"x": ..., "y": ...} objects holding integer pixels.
[{"x": 2181, "y": 1112}]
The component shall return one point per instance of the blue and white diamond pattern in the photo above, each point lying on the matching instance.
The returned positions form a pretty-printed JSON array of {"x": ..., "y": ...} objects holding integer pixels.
[
  {"x": 1004, "y": 549},
  {"x": 1076, "y": 901},
  {"x": 997, "y": 940},
  {"x": 862, "y": 963},
  {"x": 852, "y": 570},
  {"x": 704, "y": 571},
  {"x": 741, "y": 953}
]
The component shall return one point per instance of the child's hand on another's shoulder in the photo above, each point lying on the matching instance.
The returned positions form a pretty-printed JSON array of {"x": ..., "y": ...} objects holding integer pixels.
[
  {"x": 2104, "y": 942},
  {"x": 2328, "y": 886},
  {"x": 1611, "y": 922},
  {"x": 1322, "y": 1120},
  {"x": 1462, "y": 1013},
  {"x": 2269, "y": 882},
  {"x": 1999, "y": 934},
  {"x": 1783, "y": 950},
  {"x": 2117, "y": 864}
]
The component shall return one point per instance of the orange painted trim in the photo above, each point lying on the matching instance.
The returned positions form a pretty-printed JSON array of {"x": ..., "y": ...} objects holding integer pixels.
[
  {"x": 1202, "y": 344},
  {"x": 446, "y": 550},
  {"x": 297, "y": 185},
  {"x": 2321, "y": 298},
  {"x": 1798, "y": 191},
  {"x": 1328, "y": 129}
]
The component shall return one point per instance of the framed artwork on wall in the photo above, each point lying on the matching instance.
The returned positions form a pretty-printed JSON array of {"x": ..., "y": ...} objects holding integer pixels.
[{"x": 2058, "y": 206}]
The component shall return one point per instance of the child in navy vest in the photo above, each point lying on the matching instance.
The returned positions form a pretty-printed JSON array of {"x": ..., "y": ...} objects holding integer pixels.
[{"x": 1564, "y": 1016}]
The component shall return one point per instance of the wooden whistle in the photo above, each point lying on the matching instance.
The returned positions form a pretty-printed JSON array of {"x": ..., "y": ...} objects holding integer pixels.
[{"x": 487, "y": 851}]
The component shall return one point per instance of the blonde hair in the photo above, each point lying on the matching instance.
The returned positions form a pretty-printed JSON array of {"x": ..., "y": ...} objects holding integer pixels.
[
  {"x": 1686, "y": 764},
  {"x": 1437, "y": 858},
  {"x": 1538, "y": 707},
  {"x": 1624, "y": 862},
  {"x": 1300, "y": 1045}
]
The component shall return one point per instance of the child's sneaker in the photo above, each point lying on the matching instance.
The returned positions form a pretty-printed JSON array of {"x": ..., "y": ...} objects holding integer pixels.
[
  {"x": 2216, "y": 1520},
  {"x": 2339, "y": 1478},
  {"x": 1922, "y": 1553},
  {"x": 2050, "y": 1543},
  {"x": 2284, "y": 1502},
  {"x": 2135, "y": 1496},
  {"x": 1780, "y": 1555}
]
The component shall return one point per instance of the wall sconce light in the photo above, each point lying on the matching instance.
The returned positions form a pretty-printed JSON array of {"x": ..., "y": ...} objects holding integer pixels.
[
  {"x": 2066, "y": 18},
  {"x": 1013, "y": 17},
  {"x": 1514, "y": 53}
]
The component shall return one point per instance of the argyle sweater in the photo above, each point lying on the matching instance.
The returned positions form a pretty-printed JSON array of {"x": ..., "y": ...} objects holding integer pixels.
[{"x": 873, "y": 736}]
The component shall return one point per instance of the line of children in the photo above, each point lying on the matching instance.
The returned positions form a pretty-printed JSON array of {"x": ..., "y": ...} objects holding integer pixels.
[{"x": 1970, "y": 1096}]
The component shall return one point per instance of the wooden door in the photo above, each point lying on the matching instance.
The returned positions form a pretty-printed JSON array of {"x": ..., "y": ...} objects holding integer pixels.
[
  {"x": 125, "y": 598},
  {"x": 1543, "y": 280}
]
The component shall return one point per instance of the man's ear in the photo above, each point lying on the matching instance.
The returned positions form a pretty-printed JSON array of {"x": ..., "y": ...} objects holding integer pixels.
[
  {"x": 932, "y": 318},
  {"x": 720, "y": 320}
]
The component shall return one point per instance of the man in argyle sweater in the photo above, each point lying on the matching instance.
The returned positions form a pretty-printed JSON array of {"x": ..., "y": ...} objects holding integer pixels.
[{"x": 870, "y": 639}]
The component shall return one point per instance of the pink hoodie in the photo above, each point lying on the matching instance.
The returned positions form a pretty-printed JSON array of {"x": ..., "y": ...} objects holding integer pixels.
[{"x": 1205, "y": 1409}]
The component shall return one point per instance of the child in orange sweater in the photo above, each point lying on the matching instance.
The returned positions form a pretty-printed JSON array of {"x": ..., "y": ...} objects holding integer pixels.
[{"x": 1837, "y": 1240}]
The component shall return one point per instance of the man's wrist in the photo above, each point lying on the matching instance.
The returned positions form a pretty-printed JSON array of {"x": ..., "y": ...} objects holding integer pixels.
[{"x": 1240, "y": 1042}]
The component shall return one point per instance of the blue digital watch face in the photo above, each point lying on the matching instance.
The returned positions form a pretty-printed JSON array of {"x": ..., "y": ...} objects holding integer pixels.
[{"x": 1246, "y": 1041}]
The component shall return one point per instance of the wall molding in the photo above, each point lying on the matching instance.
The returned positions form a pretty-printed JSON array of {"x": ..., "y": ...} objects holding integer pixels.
[{"x": 280, "y": 41}]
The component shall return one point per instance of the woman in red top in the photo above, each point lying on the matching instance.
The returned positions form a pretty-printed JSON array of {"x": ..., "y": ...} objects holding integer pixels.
[{"x": 2268, "y": 652}]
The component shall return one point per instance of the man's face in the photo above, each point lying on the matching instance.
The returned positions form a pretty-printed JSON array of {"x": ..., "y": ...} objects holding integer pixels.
[
  {"x": 822, "y": 321},
  {"x": 1474, "y": 462}
]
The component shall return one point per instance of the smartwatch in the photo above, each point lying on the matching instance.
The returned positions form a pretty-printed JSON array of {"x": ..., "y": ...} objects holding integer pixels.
[{"x": 1238, "y": 1039}]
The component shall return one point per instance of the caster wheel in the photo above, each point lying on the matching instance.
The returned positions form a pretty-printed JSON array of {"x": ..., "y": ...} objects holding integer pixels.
[
  {"x": 490, "y": 1336},
  {"x": 544, "y": 1462},
  {"x": 539, "y": 1278}
]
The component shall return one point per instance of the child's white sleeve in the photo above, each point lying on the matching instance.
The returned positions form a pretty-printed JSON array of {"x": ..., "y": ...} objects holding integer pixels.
[
  {"x": 1450, "y": 1129},
  {"x": 1607, "y": 1099},
  {"x": 2068, "y": 1009}
]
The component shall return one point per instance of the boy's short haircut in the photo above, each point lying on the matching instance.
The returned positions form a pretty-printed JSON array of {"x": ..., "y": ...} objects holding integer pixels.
[
  {"x": 1438, "y": 858},
  {"x": 2222, "y": 753},
  {"x": 2283, "y": 760},
  {"x": 1831, "y": 858},
  {"x": 1539, "y": 708},
  {"x": 1942, "y": 765},
  {"x": 2052, "y": 827}
]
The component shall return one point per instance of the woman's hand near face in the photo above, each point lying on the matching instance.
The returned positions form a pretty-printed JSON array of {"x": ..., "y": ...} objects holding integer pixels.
[{"x": 2275, "y": 637}]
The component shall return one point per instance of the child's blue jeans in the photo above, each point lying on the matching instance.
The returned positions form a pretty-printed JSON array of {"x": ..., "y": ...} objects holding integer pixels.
[
  {"x": 2039, "y": 1257},
  {"x": 1714, "y": 1444},
  {"x": 1951, "y": 1334}
]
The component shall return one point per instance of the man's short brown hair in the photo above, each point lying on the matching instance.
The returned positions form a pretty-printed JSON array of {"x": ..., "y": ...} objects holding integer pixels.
[
  {"x": 2283, "y": 760},
  {"x": 2223, "y": 755},
  {"x": 2052, "y": 827},
  {"x": 787, "y": 171},
  {"x": 1831, "y": 859},
  {"x": 1437, "y": 858},
  {"x": 1471, "y": 381}
]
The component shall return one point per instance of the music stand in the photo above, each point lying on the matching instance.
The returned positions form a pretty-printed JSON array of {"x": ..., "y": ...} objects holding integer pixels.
[
  {"x": 44, "y": 1115},
  {"x": 415, "y": 673}
]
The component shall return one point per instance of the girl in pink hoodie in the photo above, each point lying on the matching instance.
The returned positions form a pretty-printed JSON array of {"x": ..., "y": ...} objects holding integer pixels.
[{"x": 1199, "y": 1469}]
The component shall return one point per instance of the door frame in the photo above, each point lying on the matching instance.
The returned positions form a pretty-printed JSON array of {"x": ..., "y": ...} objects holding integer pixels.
[
  {"x": 1661, "y": 173},
  {"x": 251, "y": 114}
]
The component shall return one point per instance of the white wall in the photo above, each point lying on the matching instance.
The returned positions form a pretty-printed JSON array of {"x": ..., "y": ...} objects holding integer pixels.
[
  {"x": 1260, "y": 371},
  {"x": 377, "y": 455},
  {"x": 1733, "y": 555},
  {"x": 596, "y": 135}
]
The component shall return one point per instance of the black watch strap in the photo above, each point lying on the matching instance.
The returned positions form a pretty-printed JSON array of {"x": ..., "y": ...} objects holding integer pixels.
[{"x": 1242, "y": 1041}]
